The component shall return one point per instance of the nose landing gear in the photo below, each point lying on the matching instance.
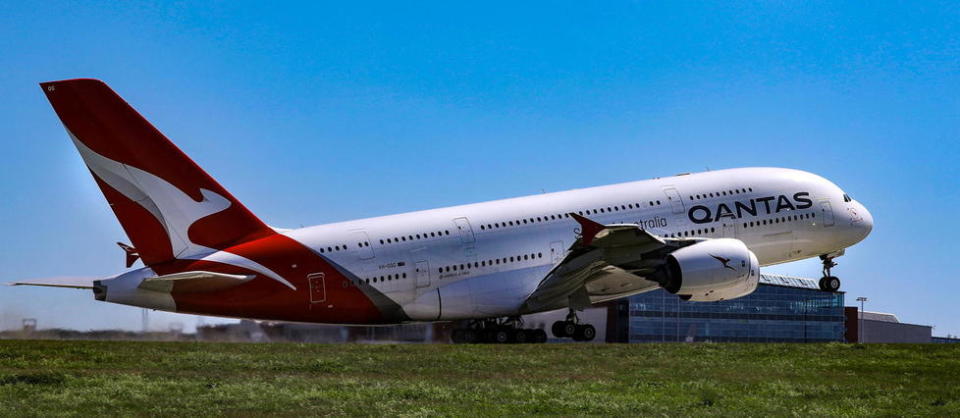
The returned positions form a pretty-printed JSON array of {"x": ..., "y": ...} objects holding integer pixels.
[
  {"x": 828, "y": 282},
  {"x": 572, "y": 328}
]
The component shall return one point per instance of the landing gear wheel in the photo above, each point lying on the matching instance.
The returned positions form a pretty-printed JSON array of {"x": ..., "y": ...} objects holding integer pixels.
[
  {"x": 585, "y": 333},
  {"x": 522, "y": 336},
  {"x": 501, "y": 336},
  {"x": 457, "y": 336},
  {"x": 570, "y": 329},
  {"x": 469, "y": 336},
  {"x": 557, "y": 329},
  {"x": 829, "y": 284},
  {"x": 539, "y": 336}
]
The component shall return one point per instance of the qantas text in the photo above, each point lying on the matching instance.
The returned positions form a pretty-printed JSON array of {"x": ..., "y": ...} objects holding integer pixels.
[{"x": 765, "y": 205}]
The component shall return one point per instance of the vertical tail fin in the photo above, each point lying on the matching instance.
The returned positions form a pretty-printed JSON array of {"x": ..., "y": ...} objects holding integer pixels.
[{"x": 168, "y": 206}]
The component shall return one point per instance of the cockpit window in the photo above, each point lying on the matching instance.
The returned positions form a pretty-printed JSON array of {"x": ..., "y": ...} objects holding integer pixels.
[{"x": 846, "y": 198}]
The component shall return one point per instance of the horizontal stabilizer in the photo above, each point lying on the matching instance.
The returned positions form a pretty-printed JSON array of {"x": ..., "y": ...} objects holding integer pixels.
[
  {"x": 68, "y": 282},
  {"x": 194, "y": 282}
]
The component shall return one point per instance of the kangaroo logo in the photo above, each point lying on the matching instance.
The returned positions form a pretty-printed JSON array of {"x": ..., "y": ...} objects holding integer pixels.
[
  {"x": 174, "y": 209},
  {"x": 724, "y": 261}
]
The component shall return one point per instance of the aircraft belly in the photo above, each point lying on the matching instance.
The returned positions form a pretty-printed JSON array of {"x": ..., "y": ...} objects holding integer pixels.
[
  {"x": 502, "y": 294},
  {"x": 490, "y": 295}
]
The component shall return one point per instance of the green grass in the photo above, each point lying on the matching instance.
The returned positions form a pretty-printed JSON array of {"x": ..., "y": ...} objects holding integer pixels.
[{"x": 176, "y": 378}]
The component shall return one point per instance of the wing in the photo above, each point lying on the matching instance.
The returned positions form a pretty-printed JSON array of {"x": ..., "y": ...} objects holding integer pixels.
[{"x": 606, "y": 262}]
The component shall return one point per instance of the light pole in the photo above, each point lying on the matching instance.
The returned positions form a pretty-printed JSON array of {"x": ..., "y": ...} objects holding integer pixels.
[{"x": 861, "y": 299}]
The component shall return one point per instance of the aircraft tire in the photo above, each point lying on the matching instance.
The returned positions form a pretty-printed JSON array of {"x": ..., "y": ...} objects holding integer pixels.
[
  {"x": 570, "y": 329},
  {"x": 457, "y": 336},
  {"x": 829, "y": 284},
  {"x": 522, "y": 336},
  {"x": 540, "y": 336},
  {"x": 501, "y": 336},
  {"x": 557, "y": 329},
  {"x": 587, "y": 332}
]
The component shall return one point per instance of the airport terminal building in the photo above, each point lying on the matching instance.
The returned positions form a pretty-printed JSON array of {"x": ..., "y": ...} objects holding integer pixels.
[{"x": 782, "y": 309}]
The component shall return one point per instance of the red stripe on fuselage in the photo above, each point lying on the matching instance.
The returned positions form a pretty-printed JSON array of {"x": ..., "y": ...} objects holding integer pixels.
[{"x": 266, "y": 298}]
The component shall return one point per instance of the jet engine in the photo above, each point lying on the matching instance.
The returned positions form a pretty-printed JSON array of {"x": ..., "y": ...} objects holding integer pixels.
[{"x": 710, "y": 270}]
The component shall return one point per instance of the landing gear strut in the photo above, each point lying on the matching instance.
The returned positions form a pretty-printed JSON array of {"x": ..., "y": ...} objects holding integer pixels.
[
  {"x": 499, "y": 331},
  {"x": 828, "y": 282},
  {"x": 572, "y": 327}
]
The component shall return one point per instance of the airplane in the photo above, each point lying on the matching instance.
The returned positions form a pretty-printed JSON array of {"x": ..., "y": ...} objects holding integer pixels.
[{"x": 702, "y": 237}]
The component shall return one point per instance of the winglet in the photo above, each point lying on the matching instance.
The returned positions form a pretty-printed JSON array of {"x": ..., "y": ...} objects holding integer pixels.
[
  {"x": 132, "y": 254},
  {"x": 590, "y": 229}
]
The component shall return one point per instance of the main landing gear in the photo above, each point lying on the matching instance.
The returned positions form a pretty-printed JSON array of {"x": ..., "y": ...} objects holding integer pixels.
[
  {"x": 574, "y": 329},
  {"x": 828, "y": 283},
  {"x": 498, "y": 331}
]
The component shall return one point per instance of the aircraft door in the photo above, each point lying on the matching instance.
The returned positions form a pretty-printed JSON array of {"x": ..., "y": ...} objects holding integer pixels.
[
  {"x": 422, "y": 273},
  {"x": 826, "y": 213},
  {"x": 466, "y": 232},
  {"x": 729, "y": 230},
  {"x": 362, "y": 241},
  {"x": 556, "y": 251},
  {"x": 318, "y": 290},
  {"x": 673, "y": 196}
]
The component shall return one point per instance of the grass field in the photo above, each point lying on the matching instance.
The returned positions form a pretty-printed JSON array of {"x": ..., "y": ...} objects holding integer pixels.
[{"x": 123, "y": 378}]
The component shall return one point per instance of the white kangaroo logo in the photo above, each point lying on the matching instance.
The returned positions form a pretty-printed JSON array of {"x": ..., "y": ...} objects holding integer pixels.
[{"x": 175, "y": 210}]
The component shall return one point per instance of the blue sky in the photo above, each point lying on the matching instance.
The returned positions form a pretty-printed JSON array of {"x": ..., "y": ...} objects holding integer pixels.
[{"x": 313, "y": 113}]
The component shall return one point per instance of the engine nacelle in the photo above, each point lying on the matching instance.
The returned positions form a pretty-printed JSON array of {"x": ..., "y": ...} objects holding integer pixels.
[{"x": 711, "y": 270}]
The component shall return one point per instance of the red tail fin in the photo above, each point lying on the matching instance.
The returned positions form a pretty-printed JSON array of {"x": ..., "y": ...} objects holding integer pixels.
[{"x": 168, "y": 206}]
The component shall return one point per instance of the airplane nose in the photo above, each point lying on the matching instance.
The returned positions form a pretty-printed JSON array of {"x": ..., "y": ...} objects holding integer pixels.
[{"x": 862, "y": 220}]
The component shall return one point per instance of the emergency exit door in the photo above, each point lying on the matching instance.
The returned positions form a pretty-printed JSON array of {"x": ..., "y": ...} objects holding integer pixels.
[
  {"x": 826, "y": 213},
  {"x": 422, "y": 274},
  {"x": 318, "y": 290},
  {"x": 673, "y": 197}
]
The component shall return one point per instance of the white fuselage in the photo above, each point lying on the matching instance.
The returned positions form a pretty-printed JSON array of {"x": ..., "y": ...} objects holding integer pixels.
[{"x": 488, "y": 257}]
